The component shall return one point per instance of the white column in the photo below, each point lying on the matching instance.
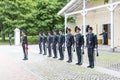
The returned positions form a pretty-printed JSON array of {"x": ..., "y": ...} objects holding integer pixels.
[
  {"x": 84, "y": 20},
  {"x": 65, "y": 27},
  {"x": 111, "y": 8},
  {"x": 112, "y": 29},
  {"x": 17, "y": 36}
]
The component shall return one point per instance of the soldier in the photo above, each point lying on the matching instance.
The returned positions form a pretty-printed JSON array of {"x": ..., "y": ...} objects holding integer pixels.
[
  {"x": 49, "y": 43},
  {"x": 61, "y": 42},
  {"x": 44, "y": 43},
  {"x": 91, "y": 43},
  {"x": 40, "y": 42},
  {"x": 79, "y": 43},
  {"x": 10, "y": 39},
  {"x": 55, "y": 41},
  {"x": 69, "y": 44},
  {"x": 25, "y": 45},
  {"x": 105, "y": 37}
]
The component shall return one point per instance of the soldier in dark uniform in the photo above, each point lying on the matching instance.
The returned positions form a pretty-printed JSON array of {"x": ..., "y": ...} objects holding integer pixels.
[
  {"x": 49, "y": 43},
  {"x": 105, "y": 37},
  {"x": 69, "y": 44},
  {"x": 79, "y": 43},
  {"x": 91, "y": 43},
  {"x": 10, "y": 39},
  {"x": 25, "y": 45},
  {"x": 40, "y": 42},
  {"x": 61, "y": 41},
  {"x": 44, "y": 43},
  {"x": 54, "y": 44}
]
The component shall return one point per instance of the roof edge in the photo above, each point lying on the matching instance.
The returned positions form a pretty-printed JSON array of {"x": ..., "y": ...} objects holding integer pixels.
[{"x": 61, "y": 12}]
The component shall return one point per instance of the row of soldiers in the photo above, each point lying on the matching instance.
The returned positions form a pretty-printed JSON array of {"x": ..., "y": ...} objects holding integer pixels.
[{"x": 55, "y": 41}]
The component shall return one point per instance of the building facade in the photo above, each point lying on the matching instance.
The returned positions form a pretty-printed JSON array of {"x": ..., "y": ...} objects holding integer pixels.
[{"x": 98, "y": 18}]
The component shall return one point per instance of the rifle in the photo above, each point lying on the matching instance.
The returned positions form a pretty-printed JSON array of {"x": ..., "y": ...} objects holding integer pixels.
[
  {"x": 83, "y": 49},
  {"x": 97, "y": 52}
]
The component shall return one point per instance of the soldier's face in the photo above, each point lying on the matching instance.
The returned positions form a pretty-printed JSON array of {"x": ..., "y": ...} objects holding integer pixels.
[
  {"x": 54, "y": 33},
  {"x": 90, "y": 31},
  {"x": 48, "y": 33},
  {"x": 68, "y": 32},
  {"x": 22, "y": 33},
  {"x": 77, "y": 31},
  {"x": 60, "y": 32}
]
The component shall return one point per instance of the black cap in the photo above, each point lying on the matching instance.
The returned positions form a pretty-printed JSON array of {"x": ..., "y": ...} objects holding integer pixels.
[
  {"x": 49, "y": 32},
  {"x": 87, "y": 26},
  {"x": 61, "y": 30},
  {"x": 23, "y": 31},
  {"x": 55, "y": 31},
  {"x": 40, "y": 33},
  {"x": 68, "y": 29},
  {"x": 77, "y": 28},
  {"x": 44, "y": 32},
  {"x": 90, "y": 28}
]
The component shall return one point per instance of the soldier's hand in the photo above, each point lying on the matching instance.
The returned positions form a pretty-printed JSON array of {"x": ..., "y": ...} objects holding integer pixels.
[{"x": 96, "y": 46}]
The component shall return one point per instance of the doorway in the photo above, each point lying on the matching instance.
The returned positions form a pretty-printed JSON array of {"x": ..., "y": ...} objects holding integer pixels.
[{"x": 106, "y": 34}]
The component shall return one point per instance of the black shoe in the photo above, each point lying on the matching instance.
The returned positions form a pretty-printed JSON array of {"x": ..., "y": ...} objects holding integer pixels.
[
  {"x": 61, "y": 59},
  {"x": 49, "y": 56},
  {"x": 44, "y": 54},
  {"x": 54, "y": 57},
  {"x": 69, "y": 61},
  {"x": 92, "y": 67},
  {"x": 40, "y": 53},
  {"x": 88, "y": 66},
  {"x": 78, "y": 63},
  {"x": 25, "y": 59}
]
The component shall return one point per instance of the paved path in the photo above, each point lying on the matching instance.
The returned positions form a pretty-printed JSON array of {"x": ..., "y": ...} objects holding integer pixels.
[{"x": 40, "y": 67}]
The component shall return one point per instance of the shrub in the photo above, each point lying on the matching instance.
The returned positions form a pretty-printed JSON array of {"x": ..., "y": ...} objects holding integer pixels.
[{"x": 32, "y": 39}]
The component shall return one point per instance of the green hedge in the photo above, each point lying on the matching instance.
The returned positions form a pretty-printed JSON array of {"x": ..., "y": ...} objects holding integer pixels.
[{"x": 32, "y": 39}]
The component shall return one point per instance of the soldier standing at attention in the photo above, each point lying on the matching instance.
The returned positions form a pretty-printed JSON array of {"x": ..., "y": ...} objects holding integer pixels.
[
  {"x": 69, "y": 44},
  {"x": 61, "y": 44},
  {"x": 49, "y": 43},
  {"x": 91, "y": 44},
  {"x": 44, "y": 43},
  {"x": 40, "y": 42},
  {"x": 79, "y": 43},
  {"x": 25, "y": 45},
  {"x": 54, "y": 44}
]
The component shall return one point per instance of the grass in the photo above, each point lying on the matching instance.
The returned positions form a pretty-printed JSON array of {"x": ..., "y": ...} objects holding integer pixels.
[
  {"x": 111, "y": 57},
  {"x": 6, "y": 42}
]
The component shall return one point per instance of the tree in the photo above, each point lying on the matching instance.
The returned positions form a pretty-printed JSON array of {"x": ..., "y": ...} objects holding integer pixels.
[
  {"x": 105, "y": 1},
  {"x": 47, "y": 16},
  {"x": 31, "y": 15}
]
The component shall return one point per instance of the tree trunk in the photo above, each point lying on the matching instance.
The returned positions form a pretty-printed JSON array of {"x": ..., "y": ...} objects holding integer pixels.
[{"x": 3, "y": 37}]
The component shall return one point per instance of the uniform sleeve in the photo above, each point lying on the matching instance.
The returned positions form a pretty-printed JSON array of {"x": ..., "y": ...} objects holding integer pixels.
[
  {"x": 46, "y": 39},
  {"x": 38, "y": 39},
  {"x": 73, "y": 41},
  {"x": 96, "y": 40},
  {"x": 51, "y": 40},
  {"x": 63, "y": 39},
  {"x": 26, "y": 41},
  {"x": 101, "y": 34},
  {"x": 57, "y": 38},
  {"x": 86, "y": 40},
  {"x": 82, "y": 40}
]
